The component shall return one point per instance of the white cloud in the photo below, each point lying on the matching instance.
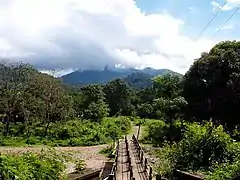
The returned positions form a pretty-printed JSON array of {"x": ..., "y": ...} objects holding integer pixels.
[
  {"x": 67, "y": 34},
  {"x": 227, "y": 27},
  {"x": 231, "y": 4}
]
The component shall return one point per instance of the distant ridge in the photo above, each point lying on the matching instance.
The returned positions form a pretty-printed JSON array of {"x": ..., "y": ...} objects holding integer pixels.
[{"x": 103, "y": 76}]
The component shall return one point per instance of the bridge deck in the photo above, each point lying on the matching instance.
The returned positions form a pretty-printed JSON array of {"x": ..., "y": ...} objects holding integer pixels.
[{"x": 123, "y": 172}]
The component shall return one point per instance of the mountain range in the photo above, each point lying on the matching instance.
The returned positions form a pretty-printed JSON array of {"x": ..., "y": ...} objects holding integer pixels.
[{"x": 134, "y": 77}]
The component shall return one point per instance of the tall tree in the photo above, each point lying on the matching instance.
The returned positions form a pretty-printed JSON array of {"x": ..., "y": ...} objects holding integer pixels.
[
  {"x": 212, "y": 84},
  {"x": 118, "y": 96},
  {"x": 168, "y": 86},
  {"x": 52, "y": 102},
  {"x": 168, "y": 103},
  {"x": 93, "y": 102},
  {"x": 14, "y": 79}
]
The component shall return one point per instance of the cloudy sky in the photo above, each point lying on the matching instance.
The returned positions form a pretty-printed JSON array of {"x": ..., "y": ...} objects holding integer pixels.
[{"x": 86, "y": 34}]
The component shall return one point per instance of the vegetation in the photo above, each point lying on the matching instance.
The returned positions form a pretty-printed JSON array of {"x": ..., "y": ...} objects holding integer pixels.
[
  {"x": 138, "y": 78},
  {"x": 45, "y": 165},
  {"x": 198, "y": 121},
  {"x": 211, "y": 86},
  {"x": 207, "y": 143}
]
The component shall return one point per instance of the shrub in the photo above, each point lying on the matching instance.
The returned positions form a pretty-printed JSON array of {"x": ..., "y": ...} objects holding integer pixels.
[
  {"x": 159, "y": 131},
  {"x": 155, "y": 132},
  {"x": 45, "y": 165},
  {"x": 73, "y": 133},
  {"x": 226, "y": 171},
  {"x": 202, "y": 147},
  {"x": 166, "y": 164},
  {"x": 80, "y": 165}
]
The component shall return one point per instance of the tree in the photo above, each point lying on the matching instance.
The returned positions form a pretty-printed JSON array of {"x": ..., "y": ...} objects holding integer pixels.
[
  {"x": 52, "y": 104},
  {"x": 168, "y": 86},
  {"x": 96, "y": 111},
  {"x": 170, "y": 108},
  {"x": 168, "y": 103},
  {"x": 118, "y": 96},
  {"x": 14, "y": 79},
  {"x": 145, "y": 110},
  {"x": 93, "y": 103},
  {"x": 212, "y": 85}
]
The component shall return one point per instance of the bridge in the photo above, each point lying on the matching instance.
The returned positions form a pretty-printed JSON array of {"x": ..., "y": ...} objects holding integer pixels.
[{"x": 130, "y": 163}]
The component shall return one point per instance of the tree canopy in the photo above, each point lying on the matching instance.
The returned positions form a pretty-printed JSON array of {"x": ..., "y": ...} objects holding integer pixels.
[{"x": 212, "y": 84}]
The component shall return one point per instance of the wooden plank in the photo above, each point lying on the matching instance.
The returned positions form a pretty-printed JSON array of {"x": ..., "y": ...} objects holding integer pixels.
[{"x": 122, "y": 165}]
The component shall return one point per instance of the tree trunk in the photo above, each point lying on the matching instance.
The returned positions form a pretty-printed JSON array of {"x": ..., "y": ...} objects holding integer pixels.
[
  {"x": 46, "y": 129},
  {"x": 171, "y": 138},
  {"x": 7, "y": 126}
]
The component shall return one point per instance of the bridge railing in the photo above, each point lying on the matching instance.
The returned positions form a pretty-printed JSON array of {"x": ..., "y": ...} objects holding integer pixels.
[
  {"x": 112, "y": 175},
  {"x": 144, "y": 161},
  {"x": 180, "y": 175}
]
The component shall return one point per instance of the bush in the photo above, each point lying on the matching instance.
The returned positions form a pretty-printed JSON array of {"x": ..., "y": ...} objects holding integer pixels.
[
  {"x": 166, "y": 160},
  {"x": 226, "y": 171},
  {"x": 203, "y": 148},
  {"x": 73, "y": 133},
  {"x": 47, "y": 165},
  {"x": 80, "y": 165},
  {"x": 155, "y": 132},
  {"x": 158, "y": 131}
]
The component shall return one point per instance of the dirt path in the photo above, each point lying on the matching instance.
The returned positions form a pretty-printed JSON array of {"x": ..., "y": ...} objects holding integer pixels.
[{"x": 90, "y": 154}]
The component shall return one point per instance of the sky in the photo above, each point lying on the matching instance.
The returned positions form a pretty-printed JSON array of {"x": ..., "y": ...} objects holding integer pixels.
[{"x": 89, "y": 34}]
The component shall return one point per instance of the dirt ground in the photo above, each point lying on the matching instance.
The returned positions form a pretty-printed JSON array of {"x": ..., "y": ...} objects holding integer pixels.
[{"x": 90, "y": 154}]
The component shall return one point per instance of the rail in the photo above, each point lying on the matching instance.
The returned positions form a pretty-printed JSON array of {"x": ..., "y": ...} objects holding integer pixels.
[
  {"x": 180, "y": 175},
  {"x": 144, "y": 161},
  {"x": 112, "y": 175}
]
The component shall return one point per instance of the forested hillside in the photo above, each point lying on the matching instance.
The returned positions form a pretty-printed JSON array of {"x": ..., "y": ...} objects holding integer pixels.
[{"x": 103, "y": 76}]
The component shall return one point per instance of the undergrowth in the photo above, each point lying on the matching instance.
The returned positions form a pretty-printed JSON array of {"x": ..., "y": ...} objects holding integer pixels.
[{"x": 46, "y": 165}]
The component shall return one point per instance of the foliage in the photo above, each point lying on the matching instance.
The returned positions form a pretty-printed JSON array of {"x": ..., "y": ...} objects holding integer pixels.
[
  {"x": 96, "y": 111},
  {"x": 145, "y": 110},
  {"x": 168, "y": 86},
  {"x": 167, "y": 163},
  {"x": 45, "y": 165},
  {"x": 93, "y": 103},
  {"x": 73, "y": 133},
  {"x": 157, "y": 132},
  {"x": 226, "y": 171},
  {"x": 80, "y": 165},
  {"x": 118, "y": 96},
  {"x": 139, "y": 80},
  {"x": 211, "y": 86},
  {"x": 204, "y": 148}
]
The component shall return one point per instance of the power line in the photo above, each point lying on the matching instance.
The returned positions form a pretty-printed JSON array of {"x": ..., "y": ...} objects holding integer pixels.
[
  {"x": 222, "y": 26},
  {"x": 210, "y": 22}
]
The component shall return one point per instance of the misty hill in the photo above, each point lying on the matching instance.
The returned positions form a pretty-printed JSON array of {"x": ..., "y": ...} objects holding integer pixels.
[
  {"x": 103, "y": 76},
  {"x": 139, "y": 80}
]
